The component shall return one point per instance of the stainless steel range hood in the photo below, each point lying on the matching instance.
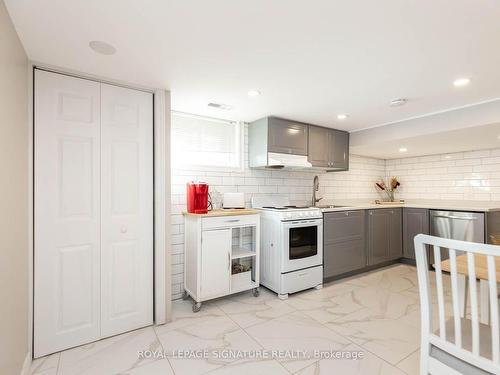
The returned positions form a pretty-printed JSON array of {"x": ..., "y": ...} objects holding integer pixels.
[
  {"x": 287, "y": 161},
  {"x": 278, "y": 143}
]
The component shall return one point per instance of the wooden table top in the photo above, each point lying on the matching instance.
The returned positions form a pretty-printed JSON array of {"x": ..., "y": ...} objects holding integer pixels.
[
  {"x": 225, "y": 212},
  {"x": 480, "y": 261}
]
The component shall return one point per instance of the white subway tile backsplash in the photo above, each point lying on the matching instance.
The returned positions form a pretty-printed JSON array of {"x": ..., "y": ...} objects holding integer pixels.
[{"x": 471, "y": 175}]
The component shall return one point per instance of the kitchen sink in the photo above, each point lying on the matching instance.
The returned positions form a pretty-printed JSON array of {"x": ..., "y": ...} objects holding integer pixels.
[{"x": 330, "y": 206}]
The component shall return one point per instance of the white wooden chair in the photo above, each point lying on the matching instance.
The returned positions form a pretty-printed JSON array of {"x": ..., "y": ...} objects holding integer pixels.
[{"x": 458, "y": 345}]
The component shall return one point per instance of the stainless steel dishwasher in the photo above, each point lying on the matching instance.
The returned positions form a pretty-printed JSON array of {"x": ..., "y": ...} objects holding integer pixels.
[
  {"x": 457, "y": 225},
  {"x": 464, "y": 226}
]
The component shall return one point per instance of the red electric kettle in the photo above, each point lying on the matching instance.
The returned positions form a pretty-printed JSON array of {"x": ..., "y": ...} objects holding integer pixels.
[{"x": 197, "y": 197}]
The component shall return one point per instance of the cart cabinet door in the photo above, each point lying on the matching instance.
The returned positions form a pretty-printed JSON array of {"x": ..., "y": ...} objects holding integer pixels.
[{"x": 215, "y": 262}]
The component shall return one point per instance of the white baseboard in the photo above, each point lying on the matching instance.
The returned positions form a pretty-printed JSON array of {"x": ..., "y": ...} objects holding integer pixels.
[{"x": 26, "y": 365}]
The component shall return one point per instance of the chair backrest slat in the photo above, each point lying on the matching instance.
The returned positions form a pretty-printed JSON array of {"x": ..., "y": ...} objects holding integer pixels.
[
  {"x": 455, "y": 298},
  {"x": 492, "y": 283},
  {"x": 471, "y": 265},
  {"x": 440, "y": 292}
]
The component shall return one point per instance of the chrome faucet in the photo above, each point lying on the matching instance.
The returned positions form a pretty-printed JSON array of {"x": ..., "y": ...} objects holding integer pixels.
[{"x": 315, "y": 189}]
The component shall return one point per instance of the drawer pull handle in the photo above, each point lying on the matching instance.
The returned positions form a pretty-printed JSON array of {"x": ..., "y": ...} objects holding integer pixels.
[{"x": 232, "y": 221}]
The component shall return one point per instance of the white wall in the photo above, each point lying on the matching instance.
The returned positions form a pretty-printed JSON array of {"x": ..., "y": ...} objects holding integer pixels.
[
  {"x": 357, "y": 183},
  {"x": 473, "y": 175},
  {"x": 13, "y": 198}
]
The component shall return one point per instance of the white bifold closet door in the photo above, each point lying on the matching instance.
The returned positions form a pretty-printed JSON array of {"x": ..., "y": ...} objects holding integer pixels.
[
  {"x": 126, "y": 209},
  {"x": 93, "y": 259}
]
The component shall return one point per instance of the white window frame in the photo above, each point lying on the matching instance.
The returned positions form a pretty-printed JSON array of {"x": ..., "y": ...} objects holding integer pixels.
[{"x": 204, "y": 167}]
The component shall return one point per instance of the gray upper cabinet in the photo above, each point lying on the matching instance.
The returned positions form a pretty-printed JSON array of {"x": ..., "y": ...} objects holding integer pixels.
[
  {"x": 415, "y": 221},
  {"x": 319, "y": 146},
  {"x": 328, "y": 148},
  {"x": 340, "y": 151},
  {"x": 279, "y": 143},
  {"x": 343, "y": 242},
  {"x": 385, "y": 237},
  {"x": 287, "y": 136}
]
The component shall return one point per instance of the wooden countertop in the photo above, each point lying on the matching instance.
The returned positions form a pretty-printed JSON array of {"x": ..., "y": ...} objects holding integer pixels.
[{"x": 227, "y": 212}]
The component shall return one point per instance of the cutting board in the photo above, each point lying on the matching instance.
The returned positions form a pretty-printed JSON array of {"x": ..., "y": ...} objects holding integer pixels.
[{"x": 386, "y": 203}]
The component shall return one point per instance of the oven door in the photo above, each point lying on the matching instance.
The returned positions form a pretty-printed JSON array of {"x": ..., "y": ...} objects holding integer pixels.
[{"x": 302, "y": 244}]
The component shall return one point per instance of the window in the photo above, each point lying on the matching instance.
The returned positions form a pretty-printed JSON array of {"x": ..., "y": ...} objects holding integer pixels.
[{"x": 199, "y": 141}]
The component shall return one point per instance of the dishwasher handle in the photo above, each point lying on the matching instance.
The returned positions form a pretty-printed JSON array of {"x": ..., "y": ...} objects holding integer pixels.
[{"x": 457, "y": 217}]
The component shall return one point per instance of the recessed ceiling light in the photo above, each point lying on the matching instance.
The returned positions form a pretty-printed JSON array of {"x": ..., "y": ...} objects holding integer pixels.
[
  {"x": 254, "y": 93},
  {"x": 102, "y": 47},
  {"x": 398, "y": 102},
  {"x": 461, "y": 82},
  {"x": 342, "y": 116},
  {"x": 403, "y": 149},
  {"x": 225, "y": 107}
]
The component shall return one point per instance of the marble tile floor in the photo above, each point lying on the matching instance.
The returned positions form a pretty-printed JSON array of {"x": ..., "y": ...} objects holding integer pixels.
[{"x": 376, "y": 313}]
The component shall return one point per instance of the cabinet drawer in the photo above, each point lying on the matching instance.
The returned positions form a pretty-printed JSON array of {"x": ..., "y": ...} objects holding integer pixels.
[
  {"x": 229, "y": 221},
  {"x": 343, "y": 225},
  {"x": 343, "y": 257},
  {"x": 301, "y": 280}
]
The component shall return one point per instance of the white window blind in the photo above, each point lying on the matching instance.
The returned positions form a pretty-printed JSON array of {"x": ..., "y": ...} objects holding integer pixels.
[{"x": 198, "y": 141}]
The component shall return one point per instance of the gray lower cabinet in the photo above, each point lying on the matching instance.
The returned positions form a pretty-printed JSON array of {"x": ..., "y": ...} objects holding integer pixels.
[
  {"x": 415, "y": 221},
  {"x": 385, "y": 235},
  {"x": 343, "y": 242}
]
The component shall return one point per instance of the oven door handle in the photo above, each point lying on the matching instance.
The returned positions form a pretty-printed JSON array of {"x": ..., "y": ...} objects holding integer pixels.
[{"x": 304, "y": 222}]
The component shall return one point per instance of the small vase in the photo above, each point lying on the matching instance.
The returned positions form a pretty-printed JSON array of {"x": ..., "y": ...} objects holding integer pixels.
[{"x": 390, "y": 193}]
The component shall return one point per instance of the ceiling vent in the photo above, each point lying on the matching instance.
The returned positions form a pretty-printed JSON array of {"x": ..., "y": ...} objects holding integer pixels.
[
  {"x": 398, "y": 102},
  {"x": 225, "y": 107}
]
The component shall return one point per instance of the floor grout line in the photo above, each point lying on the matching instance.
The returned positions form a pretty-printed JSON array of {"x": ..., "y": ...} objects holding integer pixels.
[
  {"x": 163, "y": 349},
  {"x": 253, "y": 325}
]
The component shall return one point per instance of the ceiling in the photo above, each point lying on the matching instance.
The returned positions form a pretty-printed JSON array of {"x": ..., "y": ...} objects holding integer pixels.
[
  {"x": 311, "y": 60},
  {"x": 476, "y": 138}
]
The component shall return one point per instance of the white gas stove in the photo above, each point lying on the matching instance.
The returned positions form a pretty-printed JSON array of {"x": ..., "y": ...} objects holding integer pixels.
[
  {"x": 291, "y": 245},
  {"x": 280, "y": 207}
]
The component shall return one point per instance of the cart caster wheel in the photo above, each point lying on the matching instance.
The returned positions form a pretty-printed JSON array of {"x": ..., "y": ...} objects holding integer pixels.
[
  {"x": 318, "y": 287},
  {"x": 185, "y": 295},
  {"x": 283, "y": 296},
  {"x": 196, "y": 306},
  {"x": 256, "y": 292}
]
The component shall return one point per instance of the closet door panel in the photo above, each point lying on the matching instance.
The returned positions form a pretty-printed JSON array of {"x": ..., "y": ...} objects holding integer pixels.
[
  {"x": 126, "y": 209},
  {"x": 67, "y": 213}
]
